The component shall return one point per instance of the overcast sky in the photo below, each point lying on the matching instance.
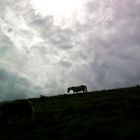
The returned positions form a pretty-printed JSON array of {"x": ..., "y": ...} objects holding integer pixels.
[{"x": 49, "y": 45}]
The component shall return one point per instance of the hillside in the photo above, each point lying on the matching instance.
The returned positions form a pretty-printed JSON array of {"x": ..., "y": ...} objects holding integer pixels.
[{"x": 108, "y": 114}]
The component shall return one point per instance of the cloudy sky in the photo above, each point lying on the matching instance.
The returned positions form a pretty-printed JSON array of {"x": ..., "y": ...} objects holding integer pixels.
[{"x": 49, "y": 45}]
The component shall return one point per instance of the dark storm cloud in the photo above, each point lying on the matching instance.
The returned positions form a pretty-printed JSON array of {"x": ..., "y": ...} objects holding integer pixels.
[{"x": 13, "y": 86}]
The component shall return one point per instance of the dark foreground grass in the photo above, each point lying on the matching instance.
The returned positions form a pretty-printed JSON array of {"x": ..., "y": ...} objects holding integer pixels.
[{"x": 108, "y": 114}]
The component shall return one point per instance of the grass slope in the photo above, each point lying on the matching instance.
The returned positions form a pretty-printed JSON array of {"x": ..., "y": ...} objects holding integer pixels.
[{"x": 108, "y": 114}]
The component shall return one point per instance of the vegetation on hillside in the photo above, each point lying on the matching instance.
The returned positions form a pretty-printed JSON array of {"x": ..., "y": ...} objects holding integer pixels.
[{"x": 107, "y": 114}]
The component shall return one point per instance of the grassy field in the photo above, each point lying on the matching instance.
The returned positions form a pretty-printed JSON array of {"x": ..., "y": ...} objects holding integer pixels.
[{"x": 107, "y": 114}]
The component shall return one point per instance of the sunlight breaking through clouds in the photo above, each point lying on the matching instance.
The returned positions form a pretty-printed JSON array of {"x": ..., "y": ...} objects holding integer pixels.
[{"x": 60, "y": 10}]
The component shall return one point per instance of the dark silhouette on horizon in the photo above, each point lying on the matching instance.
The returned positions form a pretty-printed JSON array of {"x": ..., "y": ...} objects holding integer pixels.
[{"x": 77, "y": 89}]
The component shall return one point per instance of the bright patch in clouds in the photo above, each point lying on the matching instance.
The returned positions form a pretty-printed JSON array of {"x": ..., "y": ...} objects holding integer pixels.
[{"x": 57, "y": 8}]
